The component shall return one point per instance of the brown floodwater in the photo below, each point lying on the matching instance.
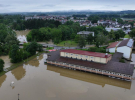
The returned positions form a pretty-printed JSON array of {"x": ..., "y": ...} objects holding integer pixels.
[
  {"x": 21, "y": 35},
  {"x": 7, "y": 61},
  {"x": 23, "y": 32},
  {"x": 35, "y": 80}
]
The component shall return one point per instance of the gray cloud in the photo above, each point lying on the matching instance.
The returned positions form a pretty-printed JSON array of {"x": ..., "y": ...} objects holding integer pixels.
[
  {"x": 2, "y": 5},
  {"x": 60, "y": 5},
  {"x": 48, "y": 5}
]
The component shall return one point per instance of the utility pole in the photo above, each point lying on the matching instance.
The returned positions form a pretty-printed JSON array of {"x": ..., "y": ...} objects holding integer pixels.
[{"x": 18, "y": 96}]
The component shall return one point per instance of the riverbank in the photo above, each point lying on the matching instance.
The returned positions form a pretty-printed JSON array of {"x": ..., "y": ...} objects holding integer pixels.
[{"x": 19, "y": 63}]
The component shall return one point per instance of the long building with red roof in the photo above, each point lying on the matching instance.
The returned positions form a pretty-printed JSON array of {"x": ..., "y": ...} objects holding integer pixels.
[
  {"x": 93, "y": 62},
  {"x": 86, "y": 55}
]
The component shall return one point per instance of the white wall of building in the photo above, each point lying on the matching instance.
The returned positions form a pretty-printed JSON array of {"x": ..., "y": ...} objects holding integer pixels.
[
  {"x": 125, "y": 50},
  {"x": 112, "y": 50}
]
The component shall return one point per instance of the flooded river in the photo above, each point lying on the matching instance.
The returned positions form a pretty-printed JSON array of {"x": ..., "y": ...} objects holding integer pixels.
[{"x": 35, "y": 80}]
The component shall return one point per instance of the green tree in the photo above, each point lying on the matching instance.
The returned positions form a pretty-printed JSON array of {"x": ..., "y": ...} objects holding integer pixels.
[
  {"x": 11, "y": 40},
  {"x": 89, "y": 39},
  {"x": 1, "y": 65},
  {"x": 132, "y": 33},
  {"x": 13, "y": 54},
  {"x": 81, "y": 42},
  {"x": 32, "y": 48},
  {"x": 77, "y": 38},
  {"x": 121, "y": 33},
  {"x": 73, "y": 36},
  {"x": 7, "y": 39},
  {"x": 111, "y": 35},
  {"x": 113, "y": 19},
  {"x": 117, "y": 36},
  {"x": 34, "y": 35},
  {"x": 102, "y": 39},
  {"x": 57, "y": 35}
]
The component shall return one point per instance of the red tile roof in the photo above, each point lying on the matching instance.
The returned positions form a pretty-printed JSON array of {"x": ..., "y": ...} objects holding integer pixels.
[
  {"x": 88, "y": 53},
  {"x": 113, "y": 45}
]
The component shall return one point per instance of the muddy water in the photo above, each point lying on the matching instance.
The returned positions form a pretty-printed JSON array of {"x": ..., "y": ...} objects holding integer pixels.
[
  {"x": 24, "y": 32},
  {"x": 7, "y": 61},
  {"x": 35, "y": 80}
]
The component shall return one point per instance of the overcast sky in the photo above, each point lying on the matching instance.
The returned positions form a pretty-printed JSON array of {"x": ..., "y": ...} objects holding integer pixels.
[{"x": 62, "y": 5}]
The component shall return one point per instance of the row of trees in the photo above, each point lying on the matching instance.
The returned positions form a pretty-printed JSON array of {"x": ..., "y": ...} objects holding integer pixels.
[
  {"x": 34, "y": 24},
  {"x": 29, "y": 49}
]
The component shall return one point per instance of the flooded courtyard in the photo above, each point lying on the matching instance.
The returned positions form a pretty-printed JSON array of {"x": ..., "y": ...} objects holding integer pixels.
[{"x": 35, "y": 80}]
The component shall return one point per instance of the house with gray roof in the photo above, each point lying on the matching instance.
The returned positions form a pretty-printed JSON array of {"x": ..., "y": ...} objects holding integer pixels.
[
  {"x": 85, "y": 33},
  {"x": 125, "y": 47}
]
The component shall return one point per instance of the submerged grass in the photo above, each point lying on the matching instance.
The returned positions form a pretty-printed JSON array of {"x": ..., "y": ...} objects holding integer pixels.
[{"x": 15, "y": 65}]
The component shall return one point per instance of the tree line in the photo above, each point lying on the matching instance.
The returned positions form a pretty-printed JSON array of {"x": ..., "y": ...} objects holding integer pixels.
[{"x": 64, "y": 32}]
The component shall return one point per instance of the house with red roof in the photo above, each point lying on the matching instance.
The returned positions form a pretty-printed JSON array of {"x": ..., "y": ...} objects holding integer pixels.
[{"x": 112, "y": 47}]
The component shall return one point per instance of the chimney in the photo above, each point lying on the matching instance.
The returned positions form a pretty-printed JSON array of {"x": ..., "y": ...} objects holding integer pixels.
[{"x": 106, "y": 54}]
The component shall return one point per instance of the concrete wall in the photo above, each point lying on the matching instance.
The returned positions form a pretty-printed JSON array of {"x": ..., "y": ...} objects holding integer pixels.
[
  {"x": 125, "y": 50},
  {"x": 84, "y": 57}
]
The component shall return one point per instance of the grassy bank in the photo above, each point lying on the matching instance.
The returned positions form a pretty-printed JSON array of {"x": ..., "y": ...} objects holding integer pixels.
[
  {"x": 15, "y": 65},
  {"x": 68, "y": 43},
  {"x": 127, "y": 36}
]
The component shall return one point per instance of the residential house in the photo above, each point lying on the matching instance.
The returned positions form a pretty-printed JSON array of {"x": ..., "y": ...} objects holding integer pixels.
[
  {"x": 125, "y": 47},
  {"x": 114, "y": 29},
  {"x": 112, "y": 48},
  {"x": 85, "y": 33}
]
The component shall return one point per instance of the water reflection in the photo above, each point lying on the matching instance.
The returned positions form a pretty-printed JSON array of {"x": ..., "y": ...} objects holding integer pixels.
[
  {"x": 2, "y": 79},
  {"x": 7, "y": 61},
  {"x": 88, "y": 77},
  {"x": 34, "y": 62},
  {"x": 40, "y": 57},
  {"x": 19, "y": 72}
]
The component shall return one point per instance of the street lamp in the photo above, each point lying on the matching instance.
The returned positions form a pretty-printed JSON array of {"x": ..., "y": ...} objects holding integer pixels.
[{"x": 18, "y": 96}]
